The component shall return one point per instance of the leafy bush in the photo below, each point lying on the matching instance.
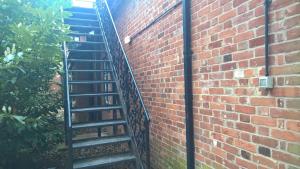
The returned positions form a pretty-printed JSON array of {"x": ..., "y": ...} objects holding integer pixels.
[{"x": 30, "y": 56}]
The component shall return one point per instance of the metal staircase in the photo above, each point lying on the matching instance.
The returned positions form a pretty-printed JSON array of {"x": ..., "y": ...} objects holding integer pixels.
[{"x": 101, "y": 124}]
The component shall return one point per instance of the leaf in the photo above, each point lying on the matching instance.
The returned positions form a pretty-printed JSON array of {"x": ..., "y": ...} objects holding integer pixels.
[{"x": 20, "y": 119}]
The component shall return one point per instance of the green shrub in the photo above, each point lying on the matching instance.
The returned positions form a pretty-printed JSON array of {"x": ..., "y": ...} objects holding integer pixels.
[{"x": 30, "y": 56}]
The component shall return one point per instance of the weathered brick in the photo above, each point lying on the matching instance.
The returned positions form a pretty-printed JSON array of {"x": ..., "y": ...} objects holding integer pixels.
[
  {"x": 293, "y": 125},
  {"x": 265, "y": 141},
  {"x": 265, "y": 121},
  {"x": 245, "y": 109},
  {"x": 292, "y": 58},
  {"x": 286, "y": 157},
  {"x": 259, "y": 101},
  {"x": 285, "y": 135},
  {"x": 245, "y": 164},
  {"x": 285, "y": 47},
  {"x": 294, "y": 148},
  {"x": 245, "y": 127},
  {"x": 286, "y": 91},
  {"x": 285, "y": 114},
  {"x": 264, "y": 161}
]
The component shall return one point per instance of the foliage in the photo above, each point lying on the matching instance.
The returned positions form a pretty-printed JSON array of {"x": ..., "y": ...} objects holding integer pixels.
[{"x": 30, "y": 56}]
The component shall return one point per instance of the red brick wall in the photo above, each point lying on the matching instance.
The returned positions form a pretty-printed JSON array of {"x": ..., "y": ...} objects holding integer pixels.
[{"x": 237, "y": 125}]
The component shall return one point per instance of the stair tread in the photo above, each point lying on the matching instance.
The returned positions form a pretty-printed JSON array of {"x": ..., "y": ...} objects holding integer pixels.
[
  {"x": 83, "y": 13},
  {"x": 87, "y": 42},
  {"x": 84, "y": 34},
  {"x": 80, "y": 19},
  {"x": 87, "y": 60},
  {"x": 92, "y": 94},
  {"x": 101, "y": 141},
  {"x": 98, "y": 124},
  {"x": 82, "y": 26},
  {"x": 103, "y": 161},
  {"x": 95, "y": 108},
  {"x": 88, "y": 10},
  {"x": 90, "y": 82},
  {"x": 79, "y": 50},
  {"x": 90, "y": 70}
]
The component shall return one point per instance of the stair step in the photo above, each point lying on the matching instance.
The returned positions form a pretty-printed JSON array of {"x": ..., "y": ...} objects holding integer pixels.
[
  {"x": 80, "y": 19},
  {"x": 84, "y": 13},
  {"x": 86, "y": 51},
  {"x": 86, "y": 42},
  {"x": 87, "y": 27},
  {"x": 101, "y": 141},
  {"x": 90, "y": 70},
  {"x": 87, "y": 60},
  {"x": 99, "y": 124},
  {"x": 103, "y": 161},
  {"x": 89, "y": 109},
  {"x": 93, "y": 94},
  {"x": 91, "y": 82},
  {"x": 83, "y": 9},
  {"x": 83, "y": 34}
]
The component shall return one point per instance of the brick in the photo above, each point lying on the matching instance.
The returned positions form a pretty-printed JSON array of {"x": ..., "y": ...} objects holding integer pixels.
[
  {"x": 292, "y": 81},
  {"x": 292, "y": 22},
  {"x": 257, "y": 42},
  {"x": 293, "y": 125},
  {"x": 285, "y": 135},
  {"x": 243, "y": 55},
  {"x": 227, "y": 16},
  {"x": 286, "y": 158},
  {"x": 258, "y": 101},
  {"x": 263, "y": 131},
  {"x": 264, "y": 151},
  {"x": 227, "y": 58},
  {"x": 230, "y": 149},
  {"x": 286, "y": 91},
  {"x": 245, "y": 164},
  {"x": 265, "y": 141},
  {"x": 284, "y": 113},
  {"x": 230, "y": 132},
  {"x": 265, "y": 121},
  {"x": 293, "y": 34},
  {"x": 285, "y": 47},
  {"x": 238, "y": 2},
  {"x": 257, "y": 22},
  {"x": 294, "y": 148},
  {"x": 216, "y": 44},
  {"x": 216, "y": 91},
  {"x": 257, "y": 62},
  {"x": 246, "y": 155},
  {"x": 245, "y": 109},
  {"x": 265, "y": 161},
  {"x": 245, "y": 127},
  {"x": 229, "y": 99},
  {"x": 228, "y": 66},
  {"x": 245, "y": 145},
  {"x": 292, "y": 58},
  {"x": 244, "y": 118},
  {"x": 243, "y": 36}
]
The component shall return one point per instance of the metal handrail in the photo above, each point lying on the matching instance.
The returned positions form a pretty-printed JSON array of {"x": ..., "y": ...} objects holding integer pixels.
[
  {"x": 67, "y": 106},
  {"x": 126, "y": 58}
]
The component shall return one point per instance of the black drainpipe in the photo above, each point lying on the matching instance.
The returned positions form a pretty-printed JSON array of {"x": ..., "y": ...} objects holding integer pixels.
[
  {"x": 188, "y": 95},
  {"x": 267, "y": 21}
]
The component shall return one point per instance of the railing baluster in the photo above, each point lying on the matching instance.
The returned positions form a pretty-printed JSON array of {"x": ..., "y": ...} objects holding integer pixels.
[{"x": 138, "y": 117}]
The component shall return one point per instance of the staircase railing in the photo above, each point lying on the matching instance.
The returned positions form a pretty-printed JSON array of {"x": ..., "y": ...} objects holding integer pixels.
[
  {"x": 67, "y": 108},
  {"x": 137, "y": 114}
]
